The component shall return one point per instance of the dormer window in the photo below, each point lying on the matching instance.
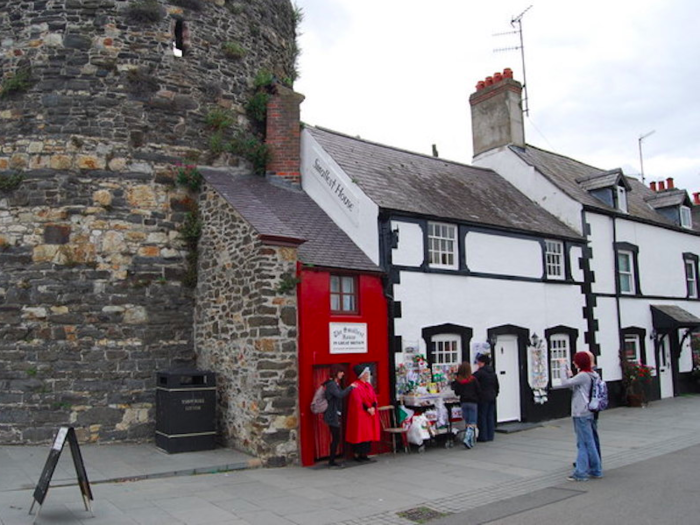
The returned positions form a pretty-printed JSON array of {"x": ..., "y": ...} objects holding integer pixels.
[
  {"x": 621, "y": 198},
  {"x": 686, "y": 217},
  {"x": 610, "y": 187}
]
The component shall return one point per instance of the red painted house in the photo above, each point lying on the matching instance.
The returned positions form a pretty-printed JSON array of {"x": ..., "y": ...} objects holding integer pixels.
[{"x": 342, "y": 319}]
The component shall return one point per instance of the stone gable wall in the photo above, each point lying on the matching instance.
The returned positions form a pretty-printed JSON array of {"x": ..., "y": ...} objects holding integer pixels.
[
  {"x": 91, "y": 262},
  {"x": 246, "y": 332}
]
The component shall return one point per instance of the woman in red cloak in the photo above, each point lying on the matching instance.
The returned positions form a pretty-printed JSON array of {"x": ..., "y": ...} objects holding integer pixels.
[{"x": 363, "y": 418}]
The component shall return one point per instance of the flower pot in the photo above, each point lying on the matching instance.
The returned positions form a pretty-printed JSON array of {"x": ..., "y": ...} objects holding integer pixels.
[{"x": 635, "y": 400}]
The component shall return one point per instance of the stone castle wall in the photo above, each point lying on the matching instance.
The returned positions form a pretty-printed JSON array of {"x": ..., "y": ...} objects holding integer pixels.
[
  {"x": 247, "y": 332},
  {"x": 92, "y": 302}
]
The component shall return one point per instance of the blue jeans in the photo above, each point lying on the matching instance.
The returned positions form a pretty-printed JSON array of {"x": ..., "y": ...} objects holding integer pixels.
[
  {"x": 587, "y": 459},
  {"x": 469, "y": 412},
  {"x": 487, "y": 420}
]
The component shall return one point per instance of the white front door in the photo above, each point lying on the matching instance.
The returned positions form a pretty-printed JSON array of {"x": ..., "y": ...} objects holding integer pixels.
[
  {"x": 664, "y": 368},
  {"x": 506, "y": 362}
]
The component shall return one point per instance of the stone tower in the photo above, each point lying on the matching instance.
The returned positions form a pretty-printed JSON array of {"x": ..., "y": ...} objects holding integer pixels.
[{"x": 100, "y": 100}]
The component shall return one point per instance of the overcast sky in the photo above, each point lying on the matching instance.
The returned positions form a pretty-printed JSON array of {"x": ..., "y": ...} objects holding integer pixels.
[{"x": 600, "y": 74}]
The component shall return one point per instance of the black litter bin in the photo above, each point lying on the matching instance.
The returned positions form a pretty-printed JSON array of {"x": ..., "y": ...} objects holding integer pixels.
[{"x": 185, "y": 410}]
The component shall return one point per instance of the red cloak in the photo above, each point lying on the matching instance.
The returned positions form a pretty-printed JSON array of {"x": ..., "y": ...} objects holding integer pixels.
[{"x": 361, "y": 425}]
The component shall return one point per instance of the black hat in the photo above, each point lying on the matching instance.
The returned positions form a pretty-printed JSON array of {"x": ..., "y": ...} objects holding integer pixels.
[{"x": 358, "y": 369}]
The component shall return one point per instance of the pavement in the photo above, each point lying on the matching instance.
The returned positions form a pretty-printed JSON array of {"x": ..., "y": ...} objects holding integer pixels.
[{"x": 138, "y": 484}]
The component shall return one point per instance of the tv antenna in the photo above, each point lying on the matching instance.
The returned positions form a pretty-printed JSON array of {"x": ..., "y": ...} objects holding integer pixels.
[
  {"x": 641, "y": 158},
  {"x": 519, "y": 31}
]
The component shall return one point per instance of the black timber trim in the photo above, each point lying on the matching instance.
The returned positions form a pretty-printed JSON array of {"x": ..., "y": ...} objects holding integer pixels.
[{"x": 464, "y": 332}]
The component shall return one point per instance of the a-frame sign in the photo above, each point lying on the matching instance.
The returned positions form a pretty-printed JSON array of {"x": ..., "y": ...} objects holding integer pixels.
[{"x": 64, "y": 434}]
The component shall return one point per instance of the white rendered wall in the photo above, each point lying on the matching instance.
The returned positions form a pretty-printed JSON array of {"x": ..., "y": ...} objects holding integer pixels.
[
  {"x": 484, "y": 303},
  {"x": 342, "y": 200},
  {"x": 530, "y": 182},
  {"x": 502, "y": 255},
  {"x": 409, "y": 251},
  {"x": 575, "y": 255},
  {"x": 661, "y": 265}
]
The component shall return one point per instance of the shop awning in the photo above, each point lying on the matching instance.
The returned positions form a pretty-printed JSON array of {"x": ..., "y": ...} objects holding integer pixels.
[{"x": 669, "y": 316}]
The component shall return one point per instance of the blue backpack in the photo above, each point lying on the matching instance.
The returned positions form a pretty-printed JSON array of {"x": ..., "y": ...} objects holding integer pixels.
[{"x": 598, "y": 395}]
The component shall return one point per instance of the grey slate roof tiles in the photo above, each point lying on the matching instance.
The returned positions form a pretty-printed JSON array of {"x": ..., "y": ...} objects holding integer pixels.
[
  {"x": 291, "y": 215},
  {"x": 418, "y": 184},
  {"x": 568, "y": 174}
]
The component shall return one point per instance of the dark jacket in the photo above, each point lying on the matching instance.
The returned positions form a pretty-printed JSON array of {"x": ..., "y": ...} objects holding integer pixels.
[
  {"x": 488, "y": 380},
  {"x": 468, "y": 390},
  {"x": 334, "y": 396}
]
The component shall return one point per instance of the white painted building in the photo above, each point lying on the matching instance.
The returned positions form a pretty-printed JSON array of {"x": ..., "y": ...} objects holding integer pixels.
[
  {"x": 641, "y": 262},
  {"x": 469, "y": 260}
]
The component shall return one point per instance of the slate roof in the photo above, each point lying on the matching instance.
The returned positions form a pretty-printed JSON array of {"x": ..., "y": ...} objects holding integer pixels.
[
  {"x": 289, "y": 215},
  {"x": 409, "y": 182},
  {"x": 667, "y": 198},
  {"x": 603, "y": 180},
  {"x": 567, "y": 174}
]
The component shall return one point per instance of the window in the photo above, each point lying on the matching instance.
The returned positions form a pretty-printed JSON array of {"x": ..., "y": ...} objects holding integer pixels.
[
  {"x": 559, "y": 357},
  {"x": 686, "y": 218},
  {"x": 344, "y": 294},
  {"x": 179, "y": 37},
  {"x": 691, "y": 274},
  {"x": 554, "y": 259},
  {"x": 625, "y": 272},
  {"x": 621, "y": 197},
  {"x": 631, "y": 348},
  {"x": 446, "y": 350},
  {"x": 442, "y": 245}
]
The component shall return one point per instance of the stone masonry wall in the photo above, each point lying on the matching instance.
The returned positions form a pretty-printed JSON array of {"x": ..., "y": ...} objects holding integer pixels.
[
  {"x": 92, "y": 303},
  {"x": 246, "y": 332}
]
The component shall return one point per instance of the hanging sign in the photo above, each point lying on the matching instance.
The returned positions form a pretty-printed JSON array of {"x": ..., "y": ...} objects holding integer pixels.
[{"x": 348, "y": 338}]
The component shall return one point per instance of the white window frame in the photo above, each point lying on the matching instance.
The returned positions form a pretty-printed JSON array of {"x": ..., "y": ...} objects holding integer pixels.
[
  {"x": 629, "y": 274},
  {"x": 691, "y": 278},
  {"x": 554, "y": 259},
  {"x": 442, "y": 245},
  {"x": 633, "y": 339},
  {"x": 686, "y": 217},
  {"x": 559, "y": 348},
  {"x": 447, "y": 349},
  {"x": 621, "y": 192}
]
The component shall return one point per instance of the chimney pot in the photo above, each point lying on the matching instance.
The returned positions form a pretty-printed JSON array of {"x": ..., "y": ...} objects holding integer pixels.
[
  {"x": 507, "y": 73},
  {"x": 497, "y": 77},
  {"x": 489, "y": 81},
  {"x": 480, "y": 85},
  {"x": 669, "y": 183},
  {"x": 652, "y": 185},
  {"x": 662, "y": 185},
  {"x": 696, "y": 197}
]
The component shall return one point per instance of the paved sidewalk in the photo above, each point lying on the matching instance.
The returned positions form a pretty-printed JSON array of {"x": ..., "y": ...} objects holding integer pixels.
[{"x": 442, "y": 480}]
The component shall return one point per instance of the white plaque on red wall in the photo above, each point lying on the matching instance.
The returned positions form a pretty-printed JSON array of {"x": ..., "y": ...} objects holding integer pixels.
[{"x": 348, "y": 338}]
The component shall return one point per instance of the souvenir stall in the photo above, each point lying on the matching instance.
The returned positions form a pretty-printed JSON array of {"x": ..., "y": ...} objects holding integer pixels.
[{"x": 428, "y": 408}]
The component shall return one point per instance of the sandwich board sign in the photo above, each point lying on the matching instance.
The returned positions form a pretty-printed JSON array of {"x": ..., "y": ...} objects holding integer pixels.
[{"x": 42, "y": 488}]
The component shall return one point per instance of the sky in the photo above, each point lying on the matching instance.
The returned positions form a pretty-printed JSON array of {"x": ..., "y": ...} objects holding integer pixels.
[{"x": 600, "y": 75}]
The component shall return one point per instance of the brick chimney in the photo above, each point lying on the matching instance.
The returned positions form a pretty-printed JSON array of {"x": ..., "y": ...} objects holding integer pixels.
[
  {"x": 283, "y": 134},
  {"x": 497, "y": 116}
]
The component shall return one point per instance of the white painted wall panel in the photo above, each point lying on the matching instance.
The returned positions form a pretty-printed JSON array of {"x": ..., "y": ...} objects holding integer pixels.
[
  {"x": 502, "y": 255},
  {"x": 483, "y": 303},
  {"x": 410, "y": 247}
]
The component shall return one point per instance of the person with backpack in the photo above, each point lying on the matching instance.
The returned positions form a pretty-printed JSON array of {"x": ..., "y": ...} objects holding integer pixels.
[
  {"x": 486, "y": 409},
  {"x": 467, "y": 388},
  {"x": 333, "y": 415},
  {"x": 587, "y": 459}
]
